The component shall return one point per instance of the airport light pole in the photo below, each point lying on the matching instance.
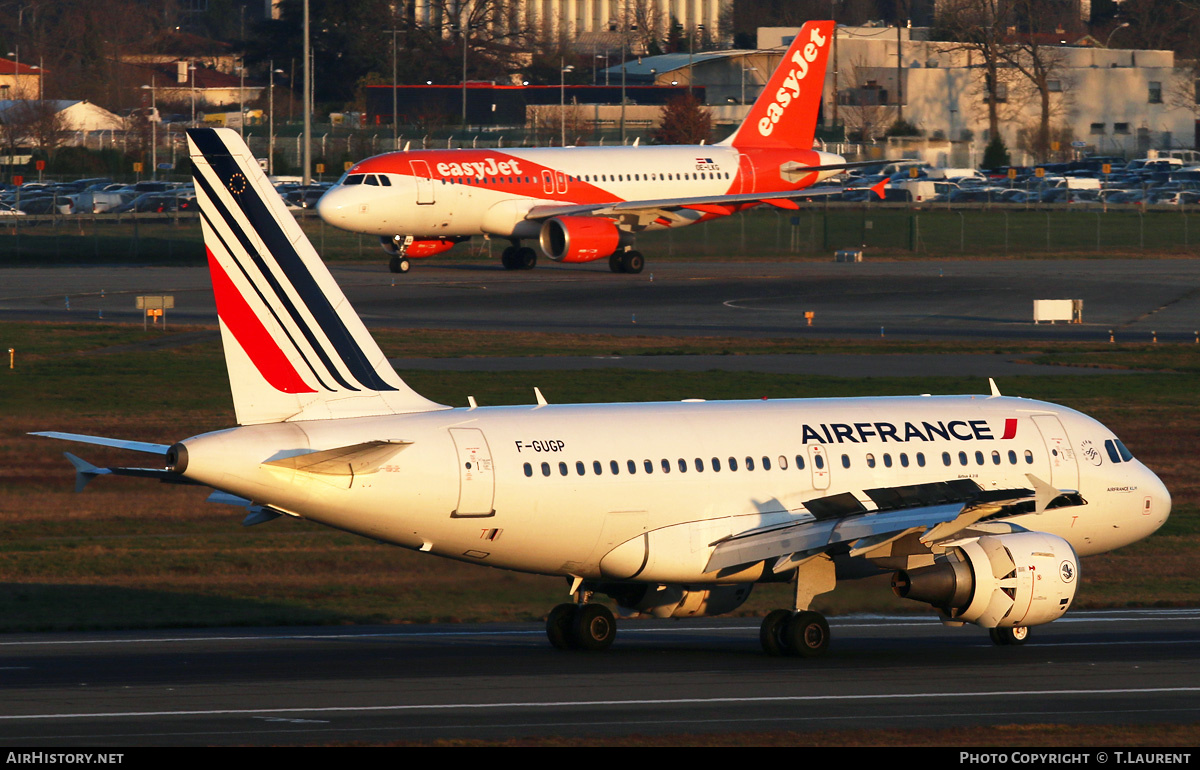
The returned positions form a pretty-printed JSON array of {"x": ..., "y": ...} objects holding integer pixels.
[
  {"x": 153, "y": 128},
  {"x": 306, "y": 175},
  {"x": 271, "y": 118},
  {"x": 395, "y": 107},
  {"x": 564, "y": 68}
]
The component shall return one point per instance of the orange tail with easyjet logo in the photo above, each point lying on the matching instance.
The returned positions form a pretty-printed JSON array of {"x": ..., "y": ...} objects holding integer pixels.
[{"x": 785, "y": 115}]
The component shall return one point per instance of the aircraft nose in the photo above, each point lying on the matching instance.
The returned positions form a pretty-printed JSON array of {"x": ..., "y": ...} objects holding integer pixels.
[{"x": 331, "y": 206}]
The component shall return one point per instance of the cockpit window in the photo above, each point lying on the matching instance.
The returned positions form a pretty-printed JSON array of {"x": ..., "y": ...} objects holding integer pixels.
[
  {"x": 383, "y": 180},
  {"x": 354, "y": 179},
  {"x": 372, "y": 180},
  {"x": 1117, "y": 451}
]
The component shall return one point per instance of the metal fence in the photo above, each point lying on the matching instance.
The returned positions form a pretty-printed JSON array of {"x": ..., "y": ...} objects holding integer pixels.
[{"x": 817, "y": 230}]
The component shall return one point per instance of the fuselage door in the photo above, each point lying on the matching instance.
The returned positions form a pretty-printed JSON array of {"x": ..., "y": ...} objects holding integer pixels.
[
  {"x": 818, "y": 461},
  {"x": 1064, "y": 470},
  {"x": 424, "y": 181},
  {"x": 745, "y": 173},
  {"x": 476, "y": 478}
]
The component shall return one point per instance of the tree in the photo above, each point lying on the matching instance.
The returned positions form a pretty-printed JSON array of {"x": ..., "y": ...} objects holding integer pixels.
[{"x": 683, "y": 120}]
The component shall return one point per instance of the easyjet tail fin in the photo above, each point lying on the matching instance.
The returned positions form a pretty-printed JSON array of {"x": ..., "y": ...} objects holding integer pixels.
[
  {"x": 294, "y": 347},
  {"x": 785, "y": 115}
]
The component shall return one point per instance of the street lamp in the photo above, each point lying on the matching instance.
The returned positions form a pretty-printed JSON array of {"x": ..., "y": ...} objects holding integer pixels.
[
  {"x": 395, "y": 134},
  {"x": 153, "y": 127},
  {"x": 1120, "y": 26},
  {"x": 562, "y": 99},
  {"x": 271, "y": 119}
]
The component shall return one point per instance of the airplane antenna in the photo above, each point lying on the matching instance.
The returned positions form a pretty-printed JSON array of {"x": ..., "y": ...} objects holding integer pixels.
[
  {"x": 995, "y": 390},
  {"x": 407, "y": 145},
  {"x": 541, "y": 400},
  {"x": 635, "y": 141},
  {"x": 471, "y": 401}
]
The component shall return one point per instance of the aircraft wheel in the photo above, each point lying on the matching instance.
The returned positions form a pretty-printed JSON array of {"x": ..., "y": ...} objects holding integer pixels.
[
  {"x": 559, "y": 624},
  {"x": 525, "y": 258},
  {"x": 595, "y": 628},
  {"x": 1015, "y": 636},
  {"x": 771, "y": 632},
  {"x": 399, "y": 265},
  {"x": 615, "y": 263},
  {"x": 807, "y": 634},
  {"x": 632, "y": 262}
]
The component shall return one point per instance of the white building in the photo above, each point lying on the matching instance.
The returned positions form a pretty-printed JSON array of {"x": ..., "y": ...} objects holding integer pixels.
[{"x": 1115, "y": 101}]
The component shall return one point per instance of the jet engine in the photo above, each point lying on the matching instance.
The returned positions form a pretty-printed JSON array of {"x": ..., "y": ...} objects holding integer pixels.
[
  {"x": 679, "y": 601},
  {"x": 997, "y": 581},
  {"x": 579, "y": 239}
]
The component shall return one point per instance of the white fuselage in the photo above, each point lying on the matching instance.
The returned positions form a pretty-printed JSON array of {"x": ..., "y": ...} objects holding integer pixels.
[
  {"x": 643, "y": 491},
  {"x": 447, "y": 193}
]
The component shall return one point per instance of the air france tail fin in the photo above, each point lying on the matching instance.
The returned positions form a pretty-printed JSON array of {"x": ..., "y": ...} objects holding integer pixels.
[
  {"x": 785, "y": 115},
  {"x": 294, "y": 347}
]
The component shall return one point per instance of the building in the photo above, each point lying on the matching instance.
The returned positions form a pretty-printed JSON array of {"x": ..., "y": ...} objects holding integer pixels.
[
  {"x": 1105, "y": 101},
  {"x": 19, "y": 80}
]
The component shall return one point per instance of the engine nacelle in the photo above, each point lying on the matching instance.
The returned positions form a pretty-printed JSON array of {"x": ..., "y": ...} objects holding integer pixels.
[
  {"x": 679, "y": 601},
  {"x": 579, "y": 239},
  {"x": 417, "y": 249},
  {"x": 998, "y": 581}
]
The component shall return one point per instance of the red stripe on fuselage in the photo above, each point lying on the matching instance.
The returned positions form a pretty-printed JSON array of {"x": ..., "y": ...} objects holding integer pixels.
[{"x": 250, "y": 333}]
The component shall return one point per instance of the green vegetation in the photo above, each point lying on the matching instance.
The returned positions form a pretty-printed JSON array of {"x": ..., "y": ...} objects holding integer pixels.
[{"x": 889, "y": 231}]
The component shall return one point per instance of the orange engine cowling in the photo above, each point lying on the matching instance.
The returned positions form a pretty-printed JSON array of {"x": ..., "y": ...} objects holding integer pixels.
[{"x": 579, "y": 239}]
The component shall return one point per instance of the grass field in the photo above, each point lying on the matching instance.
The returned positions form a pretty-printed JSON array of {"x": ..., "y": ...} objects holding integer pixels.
[{"x": 130, "y": 553}]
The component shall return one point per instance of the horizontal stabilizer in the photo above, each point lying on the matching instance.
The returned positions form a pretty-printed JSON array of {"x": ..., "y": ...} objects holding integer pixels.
[
  {"x": 136, "y": 446},
  {"x": 352, "y": 460}
]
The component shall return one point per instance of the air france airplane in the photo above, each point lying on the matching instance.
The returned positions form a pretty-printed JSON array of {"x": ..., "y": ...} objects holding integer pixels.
[
  {"x": 979, "y": 505},
  {"x": 582, "y": 204}
]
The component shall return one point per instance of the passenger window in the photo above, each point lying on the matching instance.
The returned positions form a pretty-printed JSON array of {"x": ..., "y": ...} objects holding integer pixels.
[
  {"x": 597, "y": 468},
  {"x": 749, "y": 463},
  {"x": 946, "y": 459},
  {"x": 562, "y": 469},
  {"x": 782, "y": 463},
  {"x": 1028, "y": 457},
  {"x": 819, "y": 461},
  {"x": 666, "y": 465},
  {"x": 979, "y": 458},
  {"x": 528, "y": 470},
  {"x": 921, "y": 459},
  {"x": 766, "y": 463},
  {"x": 799, "y": 462},
  {"x": 904, "y": 459},
  {"x": 716, "y": 464},
  {"x": 887, "y": 460},
  {"x": 1012, "y": 457},
  {"x": 995, "y": 457},
  {"x": 632, "y": 466},
  {"x": 733, "y": 463},
  {"x": 612, "y": 466},
  {"x": 962, "y": 458},
  {"x": 699, "y": 464},
  {"x": 845, "y": 461},
  {"x": 545, "y": 469},
  {"x": 682, "y": 465},
  {"x": 580, "y": 468},
  {"x": 870, "y": 460},
  {"x": 649, "y": 466}
]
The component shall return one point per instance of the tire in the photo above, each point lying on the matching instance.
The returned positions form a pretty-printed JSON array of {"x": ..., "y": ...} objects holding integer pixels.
[
  {"x": 506, "y": 258},
  {"x": 615, "y": 263},
  {"x": 1006, "y": 637},
  {"x": 633, "y": 262},
  {"x": 807, "y": 634},
  {"x": 595, "y": 628},
  {"x": 770, "y": 635},
  {"x": 525, "y": 258},
  {"x": 394, "y": 264},
  {"x": 559, "y": 624}
]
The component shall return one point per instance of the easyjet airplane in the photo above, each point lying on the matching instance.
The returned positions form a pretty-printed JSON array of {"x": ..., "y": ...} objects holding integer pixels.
[
  {"x": 587, "y": 203},
  {"x": 980, "y": 505}
]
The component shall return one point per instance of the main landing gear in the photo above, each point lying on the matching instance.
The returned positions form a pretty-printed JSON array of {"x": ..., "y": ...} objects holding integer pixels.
[
  {"x": 803, "y": 634},
  {"x": 518, "y": 257},
  {"x": 626, "y": 262},
  {"x": 581, "y": 627}
]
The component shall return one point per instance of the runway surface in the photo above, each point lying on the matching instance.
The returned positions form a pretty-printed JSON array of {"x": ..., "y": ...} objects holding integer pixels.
[
  {"x": 911, "y": 300},
  {"x": 304, "y": 686}
]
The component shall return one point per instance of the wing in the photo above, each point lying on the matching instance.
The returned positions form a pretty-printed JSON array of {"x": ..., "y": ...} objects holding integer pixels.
[
  {"x": 646, "y": 211},
  {"x": 936, "y": 511}
]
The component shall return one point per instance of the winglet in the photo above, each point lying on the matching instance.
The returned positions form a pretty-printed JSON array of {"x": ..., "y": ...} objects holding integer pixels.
[
  {"x": 995, "y": 390},
  {"x": 878, "y": 188},
  {"x": 1043, "y": 493}
]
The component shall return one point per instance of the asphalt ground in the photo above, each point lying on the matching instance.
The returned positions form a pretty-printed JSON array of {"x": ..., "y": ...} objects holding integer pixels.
[{"x": 1133, "y": 300}]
